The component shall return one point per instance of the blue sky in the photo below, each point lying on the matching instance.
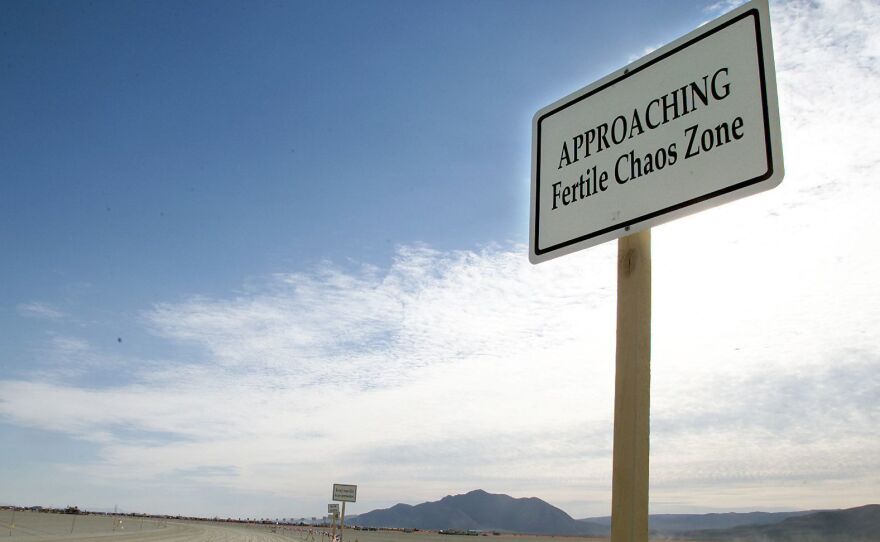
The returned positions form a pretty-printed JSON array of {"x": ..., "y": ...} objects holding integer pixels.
[
  {"x": 254, "y": 249},
  {"x": 251, "y": 138}
]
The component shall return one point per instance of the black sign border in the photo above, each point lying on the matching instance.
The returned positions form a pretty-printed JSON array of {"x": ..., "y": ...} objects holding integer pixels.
[{"x": 732, "y": 188}]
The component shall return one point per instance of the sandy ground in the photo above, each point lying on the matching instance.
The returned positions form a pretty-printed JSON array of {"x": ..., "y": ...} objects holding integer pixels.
[
  {"x": 390, "y": 536},
  {"x": 39, "y": 527}
]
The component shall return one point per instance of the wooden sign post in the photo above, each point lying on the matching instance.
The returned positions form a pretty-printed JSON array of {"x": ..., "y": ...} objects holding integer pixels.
[
  {"x": 344, "y": 493},
  {"x": 632, "y": 390},
  {"x": 342, "y": 521},
  {"x": 333, "y": 511}
]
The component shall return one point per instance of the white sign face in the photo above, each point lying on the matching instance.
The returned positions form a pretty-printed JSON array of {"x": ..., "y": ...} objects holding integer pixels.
[
  {"x": 690, "y": 126},
  {"x": 333, "y": 509},
  {"x": 343, "y": 492}
]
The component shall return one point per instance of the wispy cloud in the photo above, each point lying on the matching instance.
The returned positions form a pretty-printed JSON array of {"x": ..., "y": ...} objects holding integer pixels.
[
  {"x": 39, "y": 309},
  {"x": 723, "y": 6},
  {"x": 427, "y": 308},
  {"x": 475, "y": 368},
  {"x": 645, "y": 51}
]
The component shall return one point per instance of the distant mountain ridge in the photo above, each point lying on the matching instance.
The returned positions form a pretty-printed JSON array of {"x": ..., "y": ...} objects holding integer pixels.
[
  {"x": 678, "y": 523},
  {"x": 860, "y": 524},
  {"x": 482, "y": 511}
]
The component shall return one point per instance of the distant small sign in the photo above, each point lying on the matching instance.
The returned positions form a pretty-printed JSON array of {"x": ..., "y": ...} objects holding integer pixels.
[
  {"x": 345, "y": 492},
  {"x": 333, "y": 509}
]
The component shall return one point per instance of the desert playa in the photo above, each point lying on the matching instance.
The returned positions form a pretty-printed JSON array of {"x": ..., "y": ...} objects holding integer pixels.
[
  {"x": 35, "y": 526},
  {"x": 46, "y": 527}
]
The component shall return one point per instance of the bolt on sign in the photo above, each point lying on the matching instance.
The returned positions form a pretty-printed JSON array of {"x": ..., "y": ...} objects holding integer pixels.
[
  {"x": 344, "y": 493},
  {"x": 690, "y": 126}
]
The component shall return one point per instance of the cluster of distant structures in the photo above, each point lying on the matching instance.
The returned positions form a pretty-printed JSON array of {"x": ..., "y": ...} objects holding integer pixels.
[
  {"x": 469, "y": 532},
  {"x": 48, "y": 510},
  {"x": 78, "y": 510}
]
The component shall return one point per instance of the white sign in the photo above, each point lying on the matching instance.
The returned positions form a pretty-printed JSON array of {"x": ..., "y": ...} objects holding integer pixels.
[
  {"x": 690, "y": 126},
  {"x": 343, "y": 492},
  {"x": 333, "y": 509}
]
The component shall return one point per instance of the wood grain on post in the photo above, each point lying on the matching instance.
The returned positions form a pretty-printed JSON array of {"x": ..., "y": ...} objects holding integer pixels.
[{"x": 632, "y": 393}]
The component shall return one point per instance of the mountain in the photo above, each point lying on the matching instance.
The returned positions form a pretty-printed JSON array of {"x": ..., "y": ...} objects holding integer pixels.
[
  {"x": 482, "y": 511},
  {"x": 676, "y": 523},
  {"x": 861, "y": 524}
]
